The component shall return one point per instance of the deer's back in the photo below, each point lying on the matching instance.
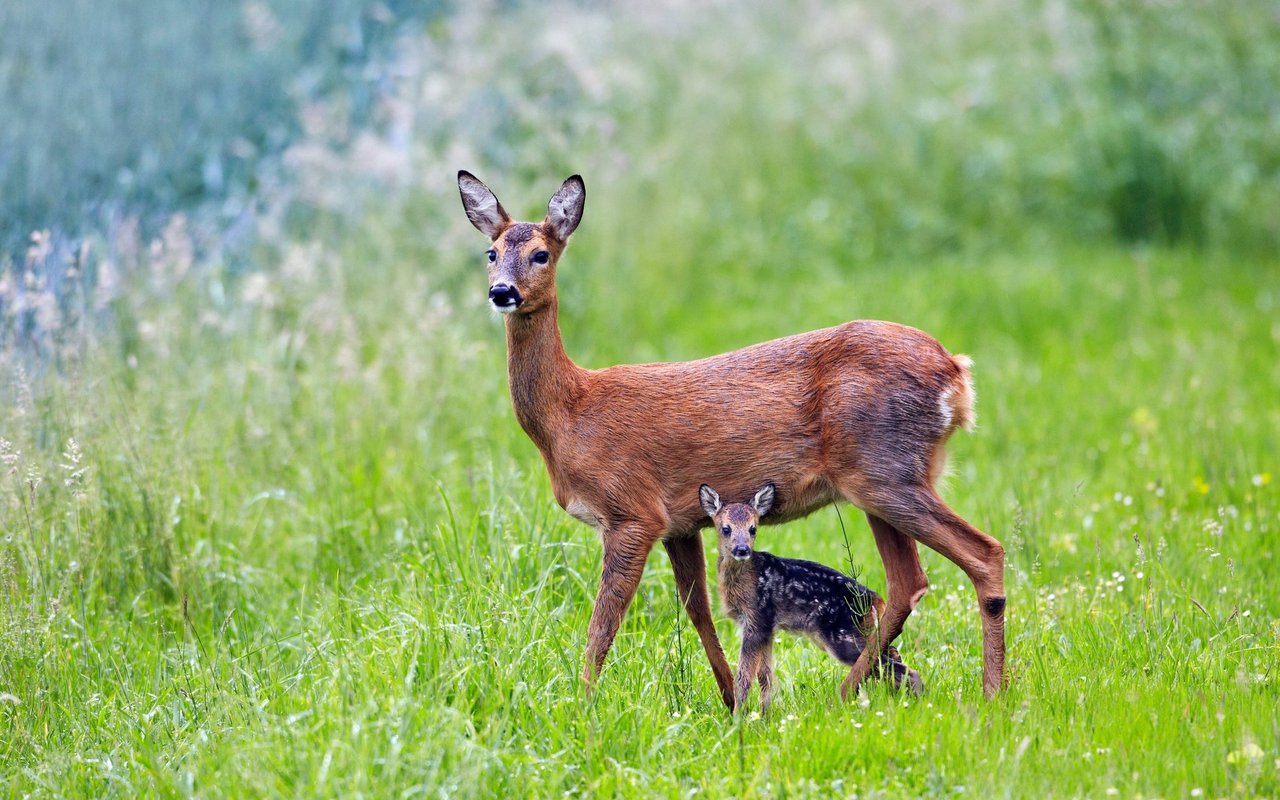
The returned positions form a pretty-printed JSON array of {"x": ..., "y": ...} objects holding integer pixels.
[{"x": 790, "y": 411}]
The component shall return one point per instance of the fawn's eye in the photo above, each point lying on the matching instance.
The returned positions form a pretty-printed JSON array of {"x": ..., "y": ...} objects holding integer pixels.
[
  {"x": 493, "y": 256},
  {"x": 541, "y": 257},
  {"x": 752, "y": 530},
  {"x": 726, "y": 530}
]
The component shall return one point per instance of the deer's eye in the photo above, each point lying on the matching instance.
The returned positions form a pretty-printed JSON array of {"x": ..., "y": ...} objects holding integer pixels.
[
  {"x": 493, "y": 256},
  {"x": 541, "y": 257},
  {"x": 726, "y": 530},
  {"x": 752, "y": 530}
]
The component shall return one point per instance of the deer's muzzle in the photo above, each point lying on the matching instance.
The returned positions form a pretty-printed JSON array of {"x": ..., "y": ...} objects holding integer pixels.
[{"x": 504, "y": 297}]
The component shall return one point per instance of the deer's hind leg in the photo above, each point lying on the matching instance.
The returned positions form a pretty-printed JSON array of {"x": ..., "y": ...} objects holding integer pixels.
[
  {"x": 690, "y": 566},
  {"x": 906, "y": 583},
  {"x": 917, "y": 511},
  {"x": 846, "y": 646},
  {"x": 889, "y": 666},
  {"x": 903, "y": 677}
]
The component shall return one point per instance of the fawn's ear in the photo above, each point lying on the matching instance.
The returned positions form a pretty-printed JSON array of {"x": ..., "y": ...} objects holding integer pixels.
[
  {"x": 482, "y": 206},
  {"x": 710, "y": 500},
  {"x": 564, "y": 212},
  {"x": 763, "y": 501}
]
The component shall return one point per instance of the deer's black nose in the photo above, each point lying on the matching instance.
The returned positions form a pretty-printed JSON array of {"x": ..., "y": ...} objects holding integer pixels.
[
  {"x": 504, "y": 296},
  {"x": 741, "y": 552}
]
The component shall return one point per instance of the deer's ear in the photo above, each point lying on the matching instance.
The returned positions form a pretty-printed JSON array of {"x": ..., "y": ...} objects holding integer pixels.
[
  {"x": 564, "y": 212},
  {"x": 710, "y": 500},
  {"x": 763, "y": 501},
  {"x": 482, "y": 206}
]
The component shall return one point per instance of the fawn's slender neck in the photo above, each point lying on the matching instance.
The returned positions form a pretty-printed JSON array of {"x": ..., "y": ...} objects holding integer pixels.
[
  {"x": 736, "y": 585},
  {"x": 544, "y": 381},
  {"x": 729, "y": 569}
]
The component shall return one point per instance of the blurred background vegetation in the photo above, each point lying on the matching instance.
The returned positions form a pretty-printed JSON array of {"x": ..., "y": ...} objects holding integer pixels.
[
  {"x": 928, "y": 126},
  {"x": 161, "y": 106}
]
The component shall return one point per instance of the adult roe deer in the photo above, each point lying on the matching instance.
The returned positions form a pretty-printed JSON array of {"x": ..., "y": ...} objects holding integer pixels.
[
  {"x": 859, "y": 412},
  {"x": 764, "y": 594}
]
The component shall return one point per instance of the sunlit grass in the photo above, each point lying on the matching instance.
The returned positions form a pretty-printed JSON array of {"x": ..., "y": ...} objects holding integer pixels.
[{"x": 271, "y": 571}]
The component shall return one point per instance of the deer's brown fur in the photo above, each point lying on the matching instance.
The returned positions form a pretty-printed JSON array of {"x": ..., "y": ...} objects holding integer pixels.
[{"x": 858, "y": 412}]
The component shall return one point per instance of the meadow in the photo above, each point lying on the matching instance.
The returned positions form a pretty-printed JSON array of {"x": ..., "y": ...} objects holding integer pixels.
[{"x": 268, "y": 525}]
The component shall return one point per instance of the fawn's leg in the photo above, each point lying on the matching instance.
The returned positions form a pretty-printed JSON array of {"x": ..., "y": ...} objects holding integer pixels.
[
  {"x": 918, "y": 512},
  {"x": 625, "y": 551},
  {"x": 903, "y": 677},
  {"x": 690, "y": 566},
  {"x": 766, "y": 676},
  {"x": 755, "y": 641},
  {"x": 906, "y": 584}
]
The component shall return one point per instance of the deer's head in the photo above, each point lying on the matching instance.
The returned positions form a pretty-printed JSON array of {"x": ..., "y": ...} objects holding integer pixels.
[
  {"x": 736, "y": 523},
  {"x": 522, "y": 257}
]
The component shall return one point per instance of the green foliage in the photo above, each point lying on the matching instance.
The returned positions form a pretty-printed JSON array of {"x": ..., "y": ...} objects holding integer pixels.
[
  {"x": 919, "y": 126},
  {"x": 161, "y": 105}
]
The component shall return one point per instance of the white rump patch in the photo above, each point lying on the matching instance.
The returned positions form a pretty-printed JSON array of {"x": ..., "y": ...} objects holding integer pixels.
[
  {"x": 944, "y": 407},
  {"x": 956, "y": 402}
]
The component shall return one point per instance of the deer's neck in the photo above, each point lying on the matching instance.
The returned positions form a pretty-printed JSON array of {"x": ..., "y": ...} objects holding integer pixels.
[
  {"x": 735, "y": 581},
  {"x": 544, "y": 381},
  {"x": 729, "y": 570}
]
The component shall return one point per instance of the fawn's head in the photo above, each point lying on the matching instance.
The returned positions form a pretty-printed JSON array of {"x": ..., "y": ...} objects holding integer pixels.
[
  {"x": 523, "y": 256},
  {"x": 736, "y": 523}
]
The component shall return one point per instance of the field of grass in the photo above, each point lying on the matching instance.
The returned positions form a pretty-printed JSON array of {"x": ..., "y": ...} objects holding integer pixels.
[
  {"x": 298, "y": 558},
  {"x": 268, "y": 526}
]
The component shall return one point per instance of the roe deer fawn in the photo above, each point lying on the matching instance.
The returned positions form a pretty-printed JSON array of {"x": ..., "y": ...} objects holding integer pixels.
[
  {"x": 764, "y": 593},
  {"x": 859, "y": 412}
]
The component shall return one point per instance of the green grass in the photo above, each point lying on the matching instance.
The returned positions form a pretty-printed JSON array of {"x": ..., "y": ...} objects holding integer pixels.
[
  {"x": 310, "y": 557},
  {"x": 300, "y": 546}
]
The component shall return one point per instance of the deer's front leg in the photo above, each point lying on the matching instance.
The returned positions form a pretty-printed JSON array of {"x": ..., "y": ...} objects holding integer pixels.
[
  {"x": 625, "y": 551},
  {"x": 690, "y": 566}
]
